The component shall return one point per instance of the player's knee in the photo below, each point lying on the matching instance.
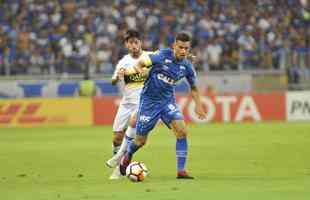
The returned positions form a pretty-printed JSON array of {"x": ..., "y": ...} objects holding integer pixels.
[
  {"x": 133, "y": 120},
  {"x": 118, "y": 137},
  {"x": 181, "y": 132},
  {"x": 140, "y": 141}
]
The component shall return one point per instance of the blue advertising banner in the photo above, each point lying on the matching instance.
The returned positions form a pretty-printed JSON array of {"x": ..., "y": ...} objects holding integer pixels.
[
  {"x": 50, "y": 88},
  {"x": 12, "y": 89}
]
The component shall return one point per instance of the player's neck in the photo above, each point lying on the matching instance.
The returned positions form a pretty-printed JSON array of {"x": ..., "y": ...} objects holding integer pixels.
[
  {"x": 136, "y": 55},
  {"x": 176, "y": 58}
]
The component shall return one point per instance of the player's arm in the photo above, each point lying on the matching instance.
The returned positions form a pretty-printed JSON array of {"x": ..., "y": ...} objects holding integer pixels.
[
  {"x": 114, "y": 80},
  {"x": 191, "y": 79},
  {"x": 141, "y": 66},
  {"x": 144, "y": 63},
  {"x": 199, "y": 109},
  {"x": 191, "y": 57},
  {"x": 117, "y": 74}
]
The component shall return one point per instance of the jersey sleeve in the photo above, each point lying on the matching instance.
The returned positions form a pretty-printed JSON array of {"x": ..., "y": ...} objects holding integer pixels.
[
  {"x": 191, "y": 75},
  {"x": 154, "y": 58},
  {"x": 119, "y": 65}
]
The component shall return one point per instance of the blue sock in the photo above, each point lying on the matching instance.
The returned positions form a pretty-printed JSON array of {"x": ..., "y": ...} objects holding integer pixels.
[
  {"x": 128, "y": 139},
  {"x": 181, "y": 153},
  {"x": 132, "y": 148}
]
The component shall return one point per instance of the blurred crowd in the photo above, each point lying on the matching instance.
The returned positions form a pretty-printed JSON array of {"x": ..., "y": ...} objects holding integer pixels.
[{"x": 71, "y": 36}]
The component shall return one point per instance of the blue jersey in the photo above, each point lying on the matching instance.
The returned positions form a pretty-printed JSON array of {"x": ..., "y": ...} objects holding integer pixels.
[{"x": 164, "y": 73}]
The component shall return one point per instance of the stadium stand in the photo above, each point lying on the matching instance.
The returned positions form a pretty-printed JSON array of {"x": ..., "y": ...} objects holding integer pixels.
[{"x": 69, "y": 36}]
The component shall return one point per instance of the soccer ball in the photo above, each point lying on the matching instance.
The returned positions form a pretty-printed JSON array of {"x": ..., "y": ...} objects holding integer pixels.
[{"x": 136, "y": 171}]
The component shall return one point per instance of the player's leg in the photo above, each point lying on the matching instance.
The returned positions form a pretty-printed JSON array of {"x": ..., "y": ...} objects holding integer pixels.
[
  {"x": 121, "y": 121},
  {"x": 119, "y": 126},
  {"x": 173, "y": 118},
  {"x": 133, "y": 147},
  {"x": 130, "y": 132},
  {"x": 117, "y": 139},
  {"x": 129, "y": 136},
  {"x": 148, "y": 115},
  {"x": 180, "y": 131}
]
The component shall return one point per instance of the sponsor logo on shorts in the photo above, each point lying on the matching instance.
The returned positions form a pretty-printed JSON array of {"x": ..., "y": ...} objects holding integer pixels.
[
  {"x": 171, "y": 107},
  {"x": 144, "y": 118}
]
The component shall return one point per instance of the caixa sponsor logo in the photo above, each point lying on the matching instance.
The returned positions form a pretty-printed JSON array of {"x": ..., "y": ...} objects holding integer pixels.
[
  {"x": 166, "y": 79},
  {"x": 144, "y": 118}
]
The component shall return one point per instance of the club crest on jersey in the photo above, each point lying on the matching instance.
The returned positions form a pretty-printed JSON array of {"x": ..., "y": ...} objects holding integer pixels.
[{"x": 166, "y": 79}]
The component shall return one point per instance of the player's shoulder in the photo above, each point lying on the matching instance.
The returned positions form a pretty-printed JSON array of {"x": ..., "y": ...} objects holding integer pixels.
[
  {"x": 166, "y": 51},
  {"x": 187, "y": 62},
  {"x": 125, "y": 59},
  {"x": 188, "y": 66},
  {"x": 147, "y": 52},
  {"x": 162, "y": 51}
]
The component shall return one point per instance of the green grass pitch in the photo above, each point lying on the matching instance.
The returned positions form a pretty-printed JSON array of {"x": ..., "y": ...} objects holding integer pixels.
[{"x": 264, "y": 161}]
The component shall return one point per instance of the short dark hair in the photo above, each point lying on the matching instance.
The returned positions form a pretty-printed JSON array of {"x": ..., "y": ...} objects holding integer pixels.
[
  {"x": 131, "y": 33},
  {"x": 183, "y": 36}
]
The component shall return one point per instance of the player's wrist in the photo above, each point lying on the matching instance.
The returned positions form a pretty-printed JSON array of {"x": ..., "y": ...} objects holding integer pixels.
[{"x": 115, "y": 79}]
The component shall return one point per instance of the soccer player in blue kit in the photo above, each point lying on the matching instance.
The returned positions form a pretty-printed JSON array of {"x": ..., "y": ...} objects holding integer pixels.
[{"x": 157, "y": 100}]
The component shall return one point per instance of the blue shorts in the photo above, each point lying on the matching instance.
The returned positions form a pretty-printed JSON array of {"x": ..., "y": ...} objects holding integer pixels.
[{"x": 151, "y": 111}]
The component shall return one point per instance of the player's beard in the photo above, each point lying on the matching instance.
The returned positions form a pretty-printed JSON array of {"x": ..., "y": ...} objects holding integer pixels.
[
  {"x": 136, "y": 53},
  {"x": 181, "y": 56}
]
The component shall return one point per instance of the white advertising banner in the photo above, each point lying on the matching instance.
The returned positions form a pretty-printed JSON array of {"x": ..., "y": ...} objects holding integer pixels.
[{"x": 298, "y": 106}]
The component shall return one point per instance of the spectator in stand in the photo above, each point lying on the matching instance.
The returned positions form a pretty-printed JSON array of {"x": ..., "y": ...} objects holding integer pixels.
[
  {"x": 214, "y": 54},
  {"x": 67, "y": 33}
]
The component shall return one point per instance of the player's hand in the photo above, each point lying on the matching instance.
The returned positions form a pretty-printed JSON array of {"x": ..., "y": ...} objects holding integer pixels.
[
  {"x": 192, "y": 58},
  {"x": 121, "y": 72},
  {"x": 145, "y": 71},
  {"x": 200, "y": 111}
]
